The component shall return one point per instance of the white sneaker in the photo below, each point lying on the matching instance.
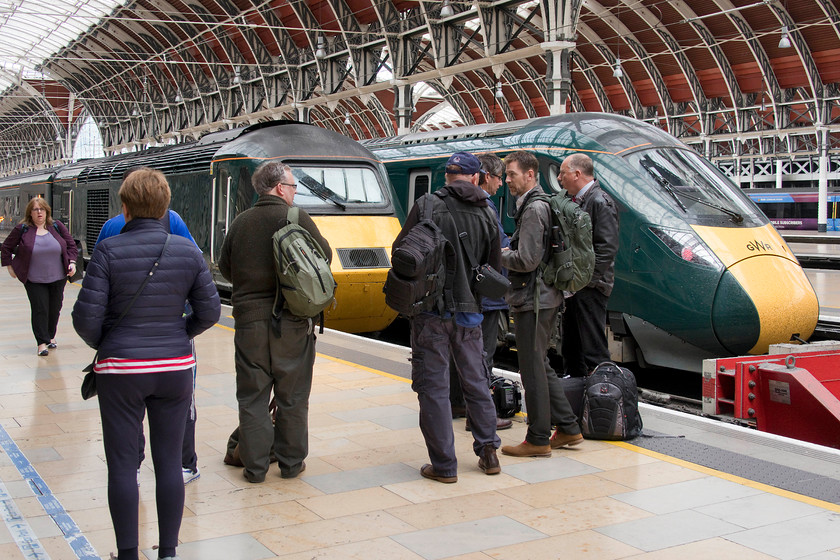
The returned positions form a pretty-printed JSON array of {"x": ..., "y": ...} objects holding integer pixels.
[{"x": 189, "y": 475}]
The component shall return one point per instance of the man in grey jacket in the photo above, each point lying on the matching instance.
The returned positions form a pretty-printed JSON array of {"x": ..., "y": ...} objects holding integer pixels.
[
  {"x": 584, "y": 321},
  {"x": 534, "y": 307}
]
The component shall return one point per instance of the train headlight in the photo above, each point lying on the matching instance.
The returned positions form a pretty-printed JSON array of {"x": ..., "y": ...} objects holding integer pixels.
[{"x": 687, "y": 246}]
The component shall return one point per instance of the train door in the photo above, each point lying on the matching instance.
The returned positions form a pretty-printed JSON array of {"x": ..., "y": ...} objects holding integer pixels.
[
  {"x": 419, "y": 183},
  {"x": 220, "y": 209}
]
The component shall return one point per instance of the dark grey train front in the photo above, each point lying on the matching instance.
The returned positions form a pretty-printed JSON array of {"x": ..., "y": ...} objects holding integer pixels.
[{"x": 341, "y": 184}]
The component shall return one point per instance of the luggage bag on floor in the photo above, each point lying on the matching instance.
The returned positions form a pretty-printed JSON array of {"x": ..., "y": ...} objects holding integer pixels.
[{"x": 610, "y": 404}]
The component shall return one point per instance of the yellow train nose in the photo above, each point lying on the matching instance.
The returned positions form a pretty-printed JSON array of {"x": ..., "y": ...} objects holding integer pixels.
[
  {"x": 764, "y": 296},
  {"x": 771, "y": 289}
]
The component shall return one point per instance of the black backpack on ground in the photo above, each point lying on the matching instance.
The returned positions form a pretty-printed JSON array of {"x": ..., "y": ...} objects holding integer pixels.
[
  {"x": 506, "y": 396},
  {"x": 610, "y": 404},
  {"x": 422, "y": 268}
]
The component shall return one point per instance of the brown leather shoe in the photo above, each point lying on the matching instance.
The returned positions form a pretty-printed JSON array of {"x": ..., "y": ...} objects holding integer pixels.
[
  {"x": 488, "y": 461},
  {"x": 233, "y": 459},
  {"x": 428, "y": 471},
  {"x": 527, "y": 449},
  {"x": 559, "y": 439},
  {"x": 293, "y": 473},
  {"x": 501, "y": 424}
]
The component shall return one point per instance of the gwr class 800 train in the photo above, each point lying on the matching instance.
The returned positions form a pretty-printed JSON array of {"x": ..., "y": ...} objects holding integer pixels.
[
  {"x": 700, "y": 271},
  {"x": 340, "y": 183}
]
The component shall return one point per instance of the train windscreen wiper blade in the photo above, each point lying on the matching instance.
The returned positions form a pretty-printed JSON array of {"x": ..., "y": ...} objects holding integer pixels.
[
  {"x": 736, "y": 217},
  {"x": 318, "y": 189},
  {"x": 664, "y": 183}
]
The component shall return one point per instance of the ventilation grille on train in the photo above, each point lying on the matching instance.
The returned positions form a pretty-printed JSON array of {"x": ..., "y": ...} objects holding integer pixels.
[
  {"x": 363, "y": 258},
  {"x": 97, "y": 215}
]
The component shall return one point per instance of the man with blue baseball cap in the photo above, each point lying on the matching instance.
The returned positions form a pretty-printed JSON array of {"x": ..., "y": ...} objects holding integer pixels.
[{"x": 460, "y": 206}]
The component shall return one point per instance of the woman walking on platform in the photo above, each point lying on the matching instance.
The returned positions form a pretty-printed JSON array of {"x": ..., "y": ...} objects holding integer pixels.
[{"x": 41, "y": 253}]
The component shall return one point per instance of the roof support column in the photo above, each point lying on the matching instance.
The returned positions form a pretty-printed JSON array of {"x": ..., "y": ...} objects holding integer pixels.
[
  {"x": 558, "y": 77},
  {"x": 403, "y": 107},
  {"x": 822, "y": 199},
  {"x": 302, "y": 113}
]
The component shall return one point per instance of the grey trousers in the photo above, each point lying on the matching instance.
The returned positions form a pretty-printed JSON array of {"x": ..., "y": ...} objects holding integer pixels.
[
  {"x": 265, "y": 361},
  {"x": 432, "y": 341},
  {"x": 545, "y": 398}
]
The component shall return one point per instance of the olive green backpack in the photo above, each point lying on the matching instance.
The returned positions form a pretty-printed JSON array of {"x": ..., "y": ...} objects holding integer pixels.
[
  {"x": 305, "y": 284},
  {"x": 570, "y": 261}
]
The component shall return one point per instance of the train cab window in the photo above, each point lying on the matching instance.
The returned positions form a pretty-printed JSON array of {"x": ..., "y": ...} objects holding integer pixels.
[
  {"x": 694, "y": 188},
  {"x": 337, "y": 186}
]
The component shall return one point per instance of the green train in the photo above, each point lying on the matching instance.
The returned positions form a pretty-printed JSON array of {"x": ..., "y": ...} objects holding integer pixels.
[{"x": 700, "y": 271}]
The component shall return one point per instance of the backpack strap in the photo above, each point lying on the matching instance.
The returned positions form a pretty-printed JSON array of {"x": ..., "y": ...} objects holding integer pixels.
[{"x": 450, "y": 264}]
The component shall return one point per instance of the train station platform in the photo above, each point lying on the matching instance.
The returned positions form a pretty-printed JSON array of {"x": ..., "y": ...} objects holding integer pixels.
[{"x": 692, "y": 489}]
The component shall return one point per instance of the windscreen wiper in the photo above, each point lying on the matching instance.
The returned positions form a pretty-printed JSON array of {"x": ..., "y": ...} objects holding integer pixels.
[
  {"x": 318, "y": 189},
  {"x": 649, "y": 167},
  {"x": 736, "y": 217}
]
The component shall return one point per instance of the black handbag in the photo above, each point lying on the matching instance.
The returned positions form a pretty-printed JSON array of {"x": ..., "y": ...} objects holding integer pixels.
[
  {"x": 487, "y": 281},
  {"x": 89, "y": 382}
]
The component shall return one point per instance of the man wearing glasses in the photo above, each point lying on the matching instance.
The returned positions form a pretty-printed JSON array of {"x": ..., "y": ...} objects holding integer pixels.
[{"x": 264, "y": 359}]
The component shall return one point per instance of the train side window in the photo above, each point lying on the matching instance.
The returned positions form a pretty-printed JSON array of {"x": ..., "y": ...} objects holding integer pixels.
[
  {"x": 245, "y": 193},
  {"x": 419, "y": 181}
]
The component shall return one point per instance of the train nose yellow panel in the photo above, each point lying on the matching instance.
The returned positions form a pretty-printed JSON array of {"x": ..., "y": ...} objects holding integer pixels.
[
  {"x": 770, "y": 276},
  {"x": 783, "y": 297}
]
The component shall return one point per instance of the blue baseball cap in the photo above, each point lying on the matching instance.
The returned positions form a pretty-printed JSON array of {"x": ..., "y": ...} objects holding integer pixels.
[{"x": 468, "y": 163}]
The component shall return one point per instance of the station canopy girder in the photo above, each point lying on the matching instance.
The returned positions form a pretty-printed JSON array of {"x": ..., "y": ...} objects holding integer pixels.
[{"x": 716, "y": 73}]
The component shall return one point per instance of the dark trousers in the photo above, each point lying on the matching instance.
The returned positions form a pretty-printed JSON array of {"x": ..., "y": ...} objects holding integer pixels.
[
  {"x": 284, "y": 363},
  {"x": 45, "y": 301},
  {"x": 584, "y": 338},
  {"x": 123, "y": 400},
  {"x": 433, "y": 341},
  {"x": 489, "y": 336},
  {"x": 189, "y": 460},
  {"x": 545, "y": 398}
]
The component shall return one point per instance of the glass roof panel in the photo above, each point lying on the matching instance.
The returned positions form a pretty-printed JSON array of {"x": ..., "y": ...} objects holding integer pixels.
[{"x": 33, "y": 30}]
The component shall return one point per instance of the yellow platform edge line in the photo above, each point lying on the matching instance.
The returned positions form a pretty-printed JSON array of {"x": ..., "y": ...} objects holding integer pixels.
[
  {"x": 641, "y": 450},
  {"x": 730, "y": 477}
]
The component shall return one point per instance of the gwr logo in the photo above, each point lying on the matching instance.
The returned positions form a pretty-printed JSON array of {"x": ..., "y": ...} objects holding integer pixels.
[{"x": 757, "y": 245}]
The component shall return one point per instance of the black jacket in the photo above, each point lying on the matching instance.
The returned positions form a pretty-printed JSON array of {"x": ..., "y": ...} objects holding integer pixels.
[
  {"x": 481, "y": 226},
  {"x": 601, "y": 208},
  {"x": 154, "y": 328}
]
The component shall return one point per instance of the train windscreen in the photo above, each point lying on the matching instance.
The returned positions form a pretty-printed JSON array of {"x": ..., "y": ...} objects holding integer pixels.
[
  {"x": 695, "y": 188},
  {"x": 337, "y": 186}
]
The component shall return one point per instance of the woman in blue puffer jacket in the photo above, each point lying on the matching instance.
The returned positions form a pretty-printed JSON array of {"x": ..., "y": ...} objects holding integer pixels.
[{"x": 144, "y": 363}]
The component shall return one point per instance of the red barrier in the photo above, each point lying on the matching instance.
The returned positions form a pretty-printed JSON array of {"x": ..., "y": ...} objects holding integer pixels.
[{"x": 795, "y": 395}]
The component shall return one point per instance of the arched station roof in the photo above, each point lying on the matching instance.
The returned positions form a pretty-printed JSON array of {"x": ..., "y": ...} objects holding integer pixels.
[{"x": 736, "y": 79}]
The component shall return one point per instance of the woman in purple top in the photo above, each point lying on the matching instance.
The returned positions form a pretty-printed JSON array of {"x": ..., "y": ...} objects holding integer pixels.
[{"x": 41, "y": 253}]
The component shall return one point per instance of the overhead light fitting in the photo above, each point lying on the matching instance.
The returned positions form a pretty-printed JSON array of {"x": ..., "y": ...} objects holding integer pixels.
[
  {"x": 178, "y": 98},
  {"x": 617, "y": 71},
  {"x": 347, "y": 118},
  {"x": 784, "y": 42},
  {"x": 320, "y": 52},
  {"x": 134, "y": 112},
  {"x": 446, "y": 10},
  {"x": 499, "y": 94},
  {"x": 236, "y": 77},
  {"x": 763, "y": 103}
]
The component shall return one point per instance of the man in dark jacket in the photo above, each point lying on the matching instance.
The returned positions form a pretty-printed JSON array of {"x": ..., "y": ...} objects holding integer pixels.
[
  {"x": 458, "y": 330},
  {"x": 585, "y": 319},
  {"x": 534, "y": 307},
  {"x": 265, "y": 359},
  {"x": 492, "y": 309}
]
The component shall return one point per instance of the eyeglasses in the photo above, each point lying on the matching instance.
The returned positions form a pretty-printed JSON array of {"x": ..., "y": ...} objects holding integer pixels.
[
  {"x": 293, "y": 185},
  {"x": 39, "y": 209},
  {"x": 499, "y": 177}
]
